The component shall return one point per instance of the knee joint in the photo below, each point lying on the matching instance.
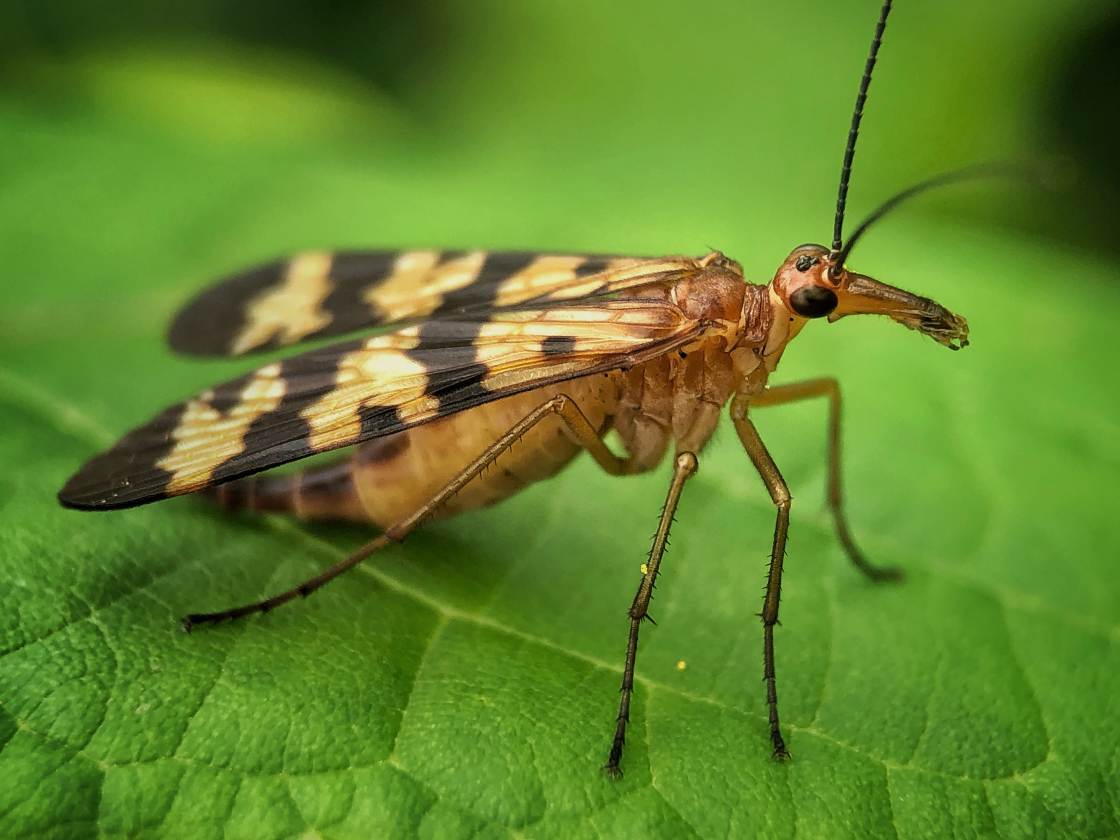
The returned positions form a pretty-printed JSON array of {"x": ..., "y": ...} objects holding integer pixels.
[
  {"x": 560, "y": 403},
  {"x": 687, "y": 462},
  {"x": 782, "y": 499}
]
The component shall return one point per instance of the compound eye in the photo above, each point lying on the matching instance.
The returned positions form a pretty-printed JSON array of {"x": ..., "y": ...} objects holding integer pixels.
[
  {"x": 813, "y": 301},
  {"x": 805, "y": 262}
]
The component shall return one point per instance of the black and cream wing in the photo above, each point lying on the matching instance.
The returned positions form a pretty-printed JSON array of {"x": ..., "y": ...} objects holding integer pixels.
[
  {"x": 318, "y": 294},
  {"x": 357, "y": 390}
]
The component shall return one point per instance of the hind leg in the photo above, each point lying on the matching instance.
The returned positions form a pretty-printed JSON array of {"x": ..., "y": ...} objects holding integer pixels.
[
  {"x": 325, "y": 493},
  {"x": 576, "y": 424}
]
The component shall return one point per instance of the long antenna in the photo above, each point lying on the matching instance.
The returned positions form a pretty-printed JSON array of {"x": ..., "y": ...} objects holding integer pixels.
[
  {"x": 969, "y": 173},
  {"x": 853, "y": 134}
]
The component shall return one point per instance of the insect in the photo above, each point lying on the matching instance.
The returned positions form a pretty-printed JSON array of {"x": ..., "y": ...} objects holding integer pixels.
[{"x": 488, "y": 350}]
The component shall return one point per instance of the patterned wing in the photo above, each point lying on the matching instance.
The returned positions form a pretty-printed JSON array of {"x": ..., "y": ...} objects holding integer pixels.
[
  {"x": 319, "y": 294},
  {"x": 350, "y": 392}
]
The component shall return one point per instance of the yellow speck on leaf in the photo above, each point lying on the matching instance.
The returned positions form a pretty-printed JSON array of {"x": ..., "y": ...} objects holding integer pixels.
[{"x": 681, "y": 664}]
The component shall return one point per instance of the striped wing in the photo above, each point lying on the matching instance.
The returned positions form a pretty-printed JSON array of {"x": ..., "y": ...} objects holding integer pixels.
[
  {"x": 350, "y": 392},
  {"x": 320, "y": 294}
]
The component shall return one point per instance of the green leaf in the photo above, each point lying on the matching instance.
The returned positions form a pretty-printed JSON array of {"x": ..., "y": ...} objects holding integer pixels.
[{"x": 465, "y": 683}]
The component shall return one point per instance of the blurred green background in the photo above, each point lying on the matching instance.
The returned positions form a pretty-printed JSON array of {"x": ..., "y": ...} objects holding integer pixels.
[{"x": 464, "y": 684}]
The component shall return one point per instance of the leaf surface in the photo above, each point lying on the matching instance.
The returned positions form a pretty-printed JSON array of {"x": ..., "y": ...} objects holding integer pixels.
[{"x": 465, "y": 683}]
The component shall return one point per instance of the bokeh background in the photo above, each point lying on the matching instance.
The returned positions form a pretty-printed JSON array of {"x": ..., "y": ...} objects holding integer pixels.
[
  {"x": 734, "y": 112},
  {"x": 148, "y": 147}
]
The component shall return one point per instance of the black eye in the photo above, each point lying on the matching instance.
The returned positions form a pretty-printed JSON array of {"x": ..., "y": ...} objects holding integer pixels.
[
  {"x": 805, "y": 262},
  {"x": 813, "y": 301}
]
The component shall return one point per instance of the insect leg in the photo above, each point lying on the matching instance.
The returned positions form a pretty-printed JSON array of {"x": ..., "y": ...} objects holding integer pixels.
[
  {"x": 574, "y": 421},
  {"x": 779, "y": 492},
  {"x": 829, "y": 387},
  {"x": 684, "y": 468}
]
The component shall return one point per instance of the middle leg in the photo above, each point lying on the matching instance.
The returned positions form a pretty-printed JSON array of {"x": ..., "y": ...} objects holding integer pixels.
[{"x": 683, "y": 469}]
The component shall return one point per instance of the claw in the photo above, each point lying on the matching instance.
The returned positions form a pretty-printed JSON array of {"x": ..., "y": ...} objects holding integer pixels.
[
  {"x": 890, "y": 574},
  {"x": 613, "y": 771}
]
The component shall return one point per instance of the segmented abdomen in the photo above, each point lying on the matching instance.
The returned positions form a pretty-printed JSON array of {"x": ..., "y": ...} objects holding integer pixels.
[{"x": 394, "y": 475}]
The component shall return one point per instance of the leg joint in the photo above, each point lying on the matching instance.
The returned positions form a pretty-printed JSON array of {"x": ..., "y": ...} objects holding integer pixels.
[
  {"x": 687, "y": 462},
  {"x": 560, "y": 404}
]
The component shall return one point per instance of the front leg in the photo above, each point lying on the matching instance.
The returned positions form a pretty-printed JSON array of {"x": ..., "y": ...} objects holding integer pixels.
[
  {"x": 779, "y": 492},
  {"x": 829, "y": 387}
]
